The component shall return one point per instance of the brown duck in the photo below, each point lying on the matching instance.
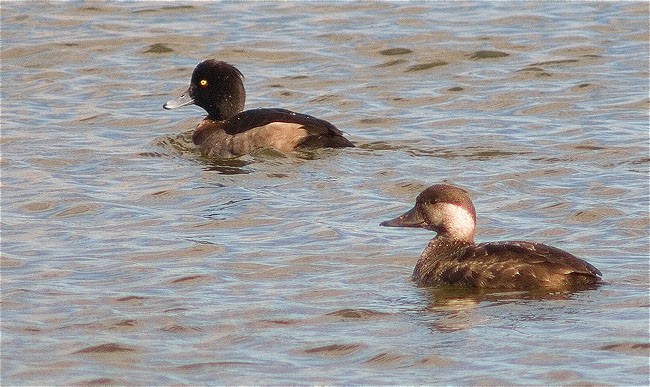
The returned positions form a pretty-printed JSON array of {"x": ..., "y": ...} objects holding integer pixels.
[{"x": 453, "y": 258}]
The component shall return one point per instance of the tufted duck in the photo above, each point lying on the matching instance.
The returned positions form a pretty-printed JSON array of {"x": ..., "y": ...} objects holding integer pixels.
[{"x": 229, "y": 131}]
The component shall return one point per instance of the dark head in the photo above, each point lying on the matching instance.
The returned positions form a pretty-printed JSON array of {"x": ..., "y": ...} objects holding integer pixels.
[
  {"x": 442, "y": 208},
  {"x": 217, "y": 87}
]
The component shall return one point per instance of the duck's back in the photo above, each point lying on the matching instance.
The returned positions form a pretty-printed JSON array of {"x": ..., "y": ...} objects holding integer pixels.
[
  {"x": 280, "y": 129},
  {"x": 259, "y": 117},
  {"x": 507, "y": 265}
]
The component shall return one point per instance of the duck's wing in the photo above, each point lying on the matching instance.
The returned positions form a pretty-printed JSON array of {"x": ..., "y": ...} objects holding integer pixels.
[
  {"x": 328, "y": 134},
  {"x": 529, "y": 263}
]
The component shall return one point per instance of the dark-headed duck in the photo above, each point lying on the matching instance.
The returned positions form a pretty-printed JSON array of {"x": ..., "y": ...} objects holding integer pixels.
[
  {"x": 453, "y": 258},
  {"x": 229, "y": 131}
]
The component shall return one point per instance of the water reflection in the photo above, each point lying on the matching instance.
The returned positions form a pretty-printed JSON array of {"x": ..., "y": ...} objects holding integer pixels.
[
  {"x": 227, "y": 166},
  {"x": 179, "y": 144},
  {"x": 182, "y": 146},
  {"x": 457, "y": 308}
]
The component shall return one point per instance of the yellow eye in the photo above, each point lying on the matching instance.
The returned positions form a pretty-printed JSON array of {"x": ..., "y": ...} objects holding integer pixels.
[{"x": 203, "y": 82}]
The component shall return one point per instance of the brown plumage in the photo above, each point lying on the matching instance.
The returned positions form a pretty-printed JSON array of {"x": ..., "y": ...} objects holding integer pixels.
[{"x": 453, "y": 258}]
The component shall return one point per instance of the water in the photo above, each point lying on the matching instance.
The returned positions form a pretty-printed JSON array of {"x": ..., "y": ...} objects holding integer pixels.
[{"x": 127, "y": 258}]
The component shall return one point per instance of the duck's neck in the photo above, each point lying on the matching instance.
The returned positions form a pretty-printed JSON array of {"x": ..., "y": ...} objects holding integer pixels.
[
  {"x": 438, "y": 257},
  {"x": 222, "y": 111}
]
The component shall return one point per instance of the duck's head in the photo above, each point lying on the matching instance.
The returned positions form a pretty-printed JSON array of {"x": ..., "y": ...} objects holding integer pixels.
[
  {"x": 217, "y": 87},
  {"x": 443, "y": 208}
]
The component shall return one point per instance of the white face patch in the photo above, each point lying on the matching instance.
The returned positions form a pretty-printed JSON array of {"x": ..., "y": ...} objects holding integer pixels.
[{"x": 458, "y": 222}]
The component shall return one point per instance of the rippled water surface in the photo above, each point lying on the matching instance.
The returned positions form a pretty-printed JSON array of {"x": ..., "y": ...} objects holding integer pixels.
[{"x": 127, "y": 258}]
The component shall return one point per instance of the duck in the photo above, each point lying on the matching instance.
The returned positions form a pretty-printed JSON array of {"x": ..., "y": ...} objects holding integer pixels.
[
  {"x": 453, "y": 258},
  {"x": 230, "y": 131}
]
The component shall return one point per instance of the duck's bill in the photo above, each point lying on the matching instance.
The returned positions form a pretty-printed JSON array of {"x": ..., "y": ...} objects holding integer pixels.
[
  {"x": 181, "y": 101},
  {"x": 411, "y": 218}
]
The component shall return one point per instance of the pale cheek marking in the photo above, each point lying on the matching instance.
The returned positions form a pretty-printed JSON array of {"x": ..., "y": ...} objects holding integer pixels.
[{"x": 460, "y": 223}]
